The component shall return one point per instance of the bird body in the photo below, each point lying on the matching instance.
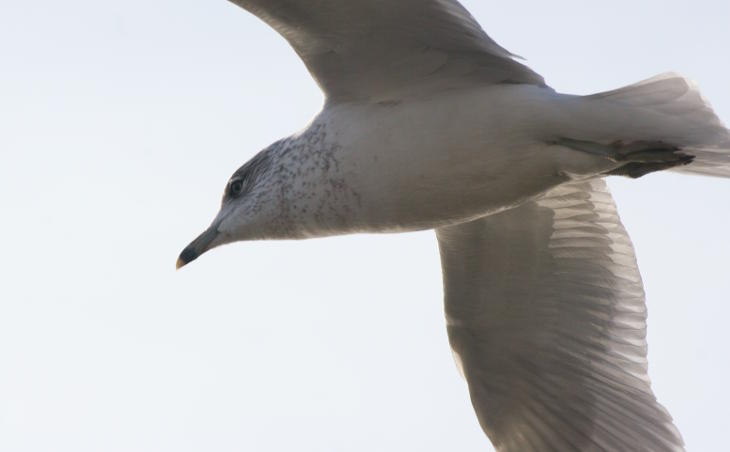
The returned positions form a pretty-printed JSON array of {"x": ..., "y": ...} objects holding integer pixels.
[
  {"x": 451, "y": 157},
  {"x": 444, "y": 159},
  {"x": 428, "y": 123}
]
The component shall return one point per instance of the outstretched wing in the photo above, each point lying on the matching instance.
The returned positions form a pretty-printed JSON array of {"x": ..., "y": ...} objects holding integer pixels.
[
  {"x": 546, "y": 315},
  {"x": 381, "y": 50}
]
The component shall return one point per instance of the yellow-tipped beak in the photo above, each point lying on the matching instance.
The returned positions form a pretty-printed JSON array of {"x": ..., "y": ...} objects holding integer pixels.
[{"x": 200, "y": 245}]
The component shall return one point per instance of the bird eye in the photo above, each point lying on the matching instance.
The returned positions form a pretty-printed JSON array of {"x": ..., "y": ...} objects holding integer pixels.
[{"x": 236, "y": 187}]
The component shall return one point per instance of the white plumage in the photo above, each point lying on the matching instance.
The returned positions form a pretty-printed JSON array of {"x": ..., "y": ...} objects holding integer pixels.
[{"x": 428, "y": 123}]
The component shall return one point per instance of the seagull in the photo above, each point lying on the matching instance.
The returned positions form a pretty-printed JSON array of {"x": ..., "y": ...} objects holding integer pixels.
[{"x": 429, "y": 124}]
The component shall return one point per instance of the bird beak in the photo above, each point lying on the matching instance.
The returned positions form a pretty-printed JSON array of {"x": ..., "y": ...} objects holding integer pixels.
[{"x": 200, "y": 245}]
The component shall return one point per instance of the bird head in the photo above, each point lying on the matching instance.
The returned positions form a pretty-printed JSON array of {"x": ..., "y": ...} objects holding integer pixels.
[{"x": 250, "y": 209}]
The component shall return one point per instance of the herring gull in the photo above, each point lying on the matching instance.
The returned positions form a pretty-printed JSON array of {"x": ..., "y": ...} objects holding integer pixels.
[{"x": 430, "y": 124}]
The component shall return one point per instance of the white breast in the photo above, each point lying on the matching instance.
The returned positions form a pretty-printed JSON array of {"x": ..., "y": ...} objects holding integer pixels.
[{"x": 459, "y": 155}]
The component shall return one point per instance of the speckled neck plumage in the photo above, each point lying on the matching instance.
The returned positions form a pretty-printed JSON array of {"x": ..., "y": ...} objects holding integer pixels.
[{"x": 302, "y": 175}]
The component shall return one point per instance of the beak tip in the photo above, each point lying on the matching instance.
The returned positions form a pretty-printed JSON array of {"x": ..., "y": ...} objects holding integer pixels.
[
  {"x": 197, "y": 247},
  {"x": 188, "y": 255}
]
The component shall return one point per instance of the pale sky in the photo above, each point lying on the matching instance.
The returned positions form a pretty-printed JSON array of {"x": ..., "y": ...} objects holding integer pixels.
[{"x": 120, "y": 123}]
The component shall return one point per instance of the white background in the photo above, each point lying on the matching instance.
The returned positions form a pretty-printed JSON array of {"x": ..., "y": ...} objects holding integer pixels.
[{"x": 120, "y": 123}]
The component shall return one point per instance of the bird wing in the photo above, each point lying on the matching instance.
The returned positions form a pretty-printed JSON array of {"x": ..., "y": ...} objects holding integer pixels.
[
  {"x": 546, "y": 316},
  {"x": 383, "y": 50}
]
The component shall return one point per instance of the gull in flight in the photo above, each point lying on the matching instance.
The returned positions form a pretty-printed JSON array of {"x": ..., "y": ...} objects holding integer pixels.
[{"x": 430, "y": 124}]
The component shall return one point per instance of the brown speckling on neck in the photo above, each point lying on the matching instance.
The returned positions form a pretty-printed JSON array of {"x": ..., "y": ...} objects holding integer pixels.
[{"x": 305, "y": 179}]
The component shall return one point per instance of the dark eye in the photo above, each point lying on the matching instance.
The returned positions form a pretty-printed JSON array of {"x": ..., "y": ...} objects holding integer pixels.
[{"x": 236, "y": 187}]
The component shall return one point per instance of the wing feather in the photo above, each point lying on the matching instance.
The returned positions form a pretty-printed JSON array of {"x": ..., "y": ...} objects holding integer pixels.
[
  {"x": 546, "y": 314},
  {"x": 380, "y": 50}
]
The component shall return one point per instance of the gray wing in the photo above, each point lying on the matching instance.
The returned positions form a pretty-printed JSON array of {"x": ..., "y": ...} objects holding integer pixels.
[
  {"x": 546, "y": 316},
  {"x": 381, "y": 50}
]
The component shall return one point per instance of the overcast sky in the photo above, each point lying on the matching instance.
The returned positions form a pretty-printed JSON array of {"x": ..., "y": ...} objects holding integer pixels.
[{"x": 120, "y": 123}]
